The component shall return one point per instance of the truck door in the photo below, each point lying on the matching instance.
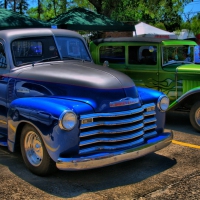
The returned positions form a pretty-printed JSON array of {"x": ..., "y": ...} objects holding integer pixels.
[
  {"x": 3, "y": 89},
  {"x": 138, "y": 61},
  {"x": 142, "y": 65}
]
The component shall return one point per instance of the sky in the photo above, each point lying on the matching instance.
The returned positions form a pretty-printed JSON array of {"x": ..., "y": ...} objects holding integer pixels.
[{"x": 192, "y": 8}]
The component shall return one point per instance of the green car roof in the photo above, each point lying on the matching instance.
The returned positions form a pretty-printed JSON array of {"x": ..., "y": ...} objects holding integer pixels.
[{"x": 178, "y": 42}]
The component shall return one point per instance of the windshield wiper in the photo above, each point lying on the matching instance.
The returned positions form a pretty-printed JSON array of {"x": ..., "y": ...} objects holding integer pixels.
[
  {"x": 74, "y": 58},
  {"x": 45, "y": 59},
  {"x": 71, "y": 58}
]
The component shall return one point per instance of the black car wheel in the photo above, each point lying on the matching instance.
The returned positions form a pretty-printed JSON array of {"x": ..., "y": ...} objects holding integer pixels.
[
  {"x": 34, "y": 152},
  {"x": 195, "y": 116}
]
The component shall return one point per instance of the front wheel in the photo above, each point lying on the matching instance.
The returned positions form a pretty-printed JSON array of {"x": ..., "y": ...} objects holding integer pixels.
[
  {"x": 34, "y": 153},
  {"x": 195, "y": 116}
]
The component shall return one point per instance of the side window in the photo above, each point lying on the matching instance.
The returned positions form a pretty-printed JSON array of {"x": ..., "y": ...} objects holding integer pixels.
[
  {"x": 144, "y": 55},
  {"x": 113, "y": 54},
  {"x": 2, "y": 57}
]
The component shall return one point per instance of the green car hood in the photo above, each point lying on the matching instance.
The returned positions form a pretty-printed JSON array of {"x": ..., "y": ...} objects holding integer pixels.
[{"x": 189, "y": 69}]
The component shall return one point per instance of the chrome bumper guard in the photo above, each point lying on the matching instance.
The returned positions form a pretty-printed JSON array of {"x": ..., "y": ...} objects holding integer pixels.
[{"x": 90, "y": 162}]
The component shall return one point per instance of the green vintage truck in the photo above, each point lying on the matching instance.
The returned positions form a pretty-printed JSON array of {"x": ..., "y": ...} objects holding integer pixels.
[{"x": 156, "y": 62}]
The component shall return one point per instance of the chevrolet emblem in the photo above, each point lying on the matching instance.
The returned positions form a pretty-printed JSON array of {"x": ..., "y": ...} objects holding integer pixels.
[{"x": 124, "y": 102}]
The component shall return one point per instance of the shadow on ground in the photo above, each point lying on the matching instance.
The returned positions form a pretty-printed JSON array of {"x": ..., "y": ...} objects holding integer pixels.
[
  {"x": 179, "y": 121},
  {"x": 71, "y": 184}
]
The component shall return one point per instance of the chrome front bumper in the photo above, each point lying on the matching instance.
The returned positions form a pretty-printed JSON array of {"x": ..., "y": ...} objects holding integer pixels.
[{"x": 95, "y": 161}]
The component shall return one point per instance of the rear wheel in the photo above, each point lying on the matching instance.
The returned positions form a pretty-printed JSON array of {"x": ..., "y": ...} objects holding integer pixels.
[
  {"x": 195, "y": 116},
  {"x": 34, "y": 152}
]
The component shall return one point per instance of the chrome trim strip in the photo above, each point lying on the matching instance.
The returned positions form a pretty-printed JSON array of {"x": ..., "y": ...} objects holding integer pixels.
[
  {"x": 149, "y": 127},
  {"x": 111, "y": 148},
  {"x": 120, "y": 138},
  {"x": 150, "y": 120},
  {"x": 90, "y": 162},
  {"x": 117, "y": 114},
  {"x": 3, "y": 122},
  {"x": 111, "y": 131},
  {"x": 111, "y": 123},
  {"x": 149, "y": 113},
  {"x": 151, "y": 134}
]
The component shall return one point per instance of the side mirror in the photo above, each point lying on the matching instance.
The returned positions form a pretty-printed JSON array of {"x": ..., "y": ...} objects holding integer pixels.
[{"x": 105, "y": 63}]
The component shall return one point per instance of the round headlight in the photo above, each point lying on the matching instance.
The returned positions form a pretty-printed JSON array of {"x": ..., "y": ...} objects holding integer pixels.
[
  {"x": 67, "y": 120},
  {"x": 163, "y": 103}
]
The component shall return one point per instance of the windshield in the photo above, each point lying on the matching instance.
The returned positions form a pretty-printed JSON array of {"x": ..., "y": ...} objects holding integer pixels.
[
  {"x": 32, "y": 50},
  {"x": 176, "y": 54},
  {"x": 72, "y": 48}
]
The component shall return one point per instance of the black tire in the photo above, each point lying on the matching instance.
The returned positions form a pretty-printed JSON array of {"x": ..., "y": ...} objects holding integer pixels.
[
  {"x": 34, "y": 152},
  {"x": 195, "y": 116}
]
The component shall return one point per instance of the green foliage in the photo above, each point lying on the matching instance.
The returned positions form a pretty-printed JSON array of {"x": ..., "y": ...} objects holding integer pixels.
[
  {"x": 160, "y": 13},
  {"x": 195, "y": 25},
  {"x": 53, "y": 8},
  {"x": 32, "y": 12},
  {"x": 191, "y": 24},
  {"x": 84, "y": 4},
  {"x": 149, "y": 11},
  {"x": 159, "y": 25}
]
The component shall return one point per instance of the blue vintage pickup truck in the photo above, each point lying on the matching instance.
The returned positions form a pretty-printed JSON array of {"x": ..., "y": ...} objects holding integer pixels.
[{"x": 63, "y": 111}]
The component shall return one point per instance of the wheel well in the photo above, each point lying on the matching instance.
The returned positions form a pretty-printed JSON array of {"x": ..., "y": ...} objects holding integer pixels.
[
  {"x": 18, "y": 134},
  {"x": 187, "y": 102}
]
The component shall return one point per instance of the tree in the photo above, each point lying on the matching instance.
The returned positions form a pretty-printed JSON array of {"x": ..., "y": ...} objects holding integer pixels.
[
  {"x": 48, "y": 9},
  {"x": 15, "y": 5},
  {"x": 192, "y": 24},
  {"x": 22, "y": 7},
  {"x": 149, "y": 11}
]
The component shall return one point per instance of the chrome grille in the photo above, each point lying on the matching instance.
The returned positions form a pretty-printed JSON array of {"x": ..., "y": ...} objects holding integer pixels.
[{"x": 108, "y": 132}]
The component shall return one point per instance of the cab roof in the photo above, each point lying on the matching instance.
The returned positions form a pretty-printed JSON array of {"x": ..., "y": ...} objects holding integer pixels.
[
  {"x": 11, "y": 34},
  {"x": 145, "y": 40}
]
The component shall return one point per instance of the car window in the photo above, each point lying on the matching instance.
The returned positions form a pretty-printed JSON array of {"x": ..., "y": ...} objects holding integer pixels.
[
  {"x": 2, "y": 57},
  {"x": 174, "y": 54},
  {"x": 112, "y": 54},
  {"x": 72, "y": 48},
  {"x": 142, "y": 55},
  {"x": 29, "y": 50}
]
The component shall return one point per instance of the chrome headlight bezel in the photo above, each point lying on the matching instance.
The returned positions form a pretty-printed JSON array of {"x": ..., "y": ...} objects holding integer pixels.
[
  {"x": 67, "y": 120},
  {"x": 163, "y": 103}
]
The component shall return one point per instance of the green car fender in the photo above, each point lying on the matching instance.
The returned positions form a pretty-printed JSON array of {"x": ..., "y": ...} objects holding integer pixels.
[{"x": 185, "y": 97}]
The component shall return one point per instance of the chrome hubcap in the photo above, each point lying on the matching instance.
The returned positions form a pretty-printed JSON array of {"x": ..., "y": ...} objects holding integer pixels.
[{"x": 33, "y": 148}]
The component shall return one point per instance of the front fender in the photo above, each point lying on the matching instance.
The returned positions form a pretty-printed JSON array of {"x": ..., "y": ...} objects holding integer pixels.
[
  {"x": 43, "y": 113},
  {"x": 148, "y": 95},
  {"x": 184, "y": 97}
]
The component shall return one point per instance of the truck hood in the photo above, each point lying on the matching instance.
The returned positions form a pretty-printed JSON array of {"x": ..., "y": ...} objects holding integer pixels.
[
  {"x": 189, "y": 68},
  {"x": 83, "y": 81},
  {"x": 85, "y": 74}
]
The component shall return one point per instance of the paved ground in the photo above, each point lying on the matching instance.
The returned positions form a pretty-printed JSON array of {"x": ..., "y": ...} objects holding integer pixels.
[{"x": 171, "y": 173}]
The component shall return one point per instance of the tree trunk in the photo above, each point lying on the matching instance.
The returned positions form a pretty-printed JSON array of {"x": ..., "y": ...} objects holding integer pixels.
[
  {"x": 5, "y": 4},
  {"x": 39, "y": 9},
  {"x": 14, "y": 5},
  {"x": 20, "y": 8},
  {"x": 63, "y": 6},
  {"x": 97, "y": 4},
  {"x": 54, "y": 7}
]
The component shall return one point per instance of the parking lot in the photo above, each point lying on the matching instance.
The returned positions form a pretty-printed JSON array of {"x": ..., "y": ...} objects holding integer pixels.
[{"x": 171, "y": 173}]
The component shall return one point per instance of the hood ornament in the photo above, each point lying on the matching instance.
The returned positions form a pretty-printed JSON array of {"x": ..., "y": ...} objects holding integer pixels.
[{"x": 124, "y": 102}]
